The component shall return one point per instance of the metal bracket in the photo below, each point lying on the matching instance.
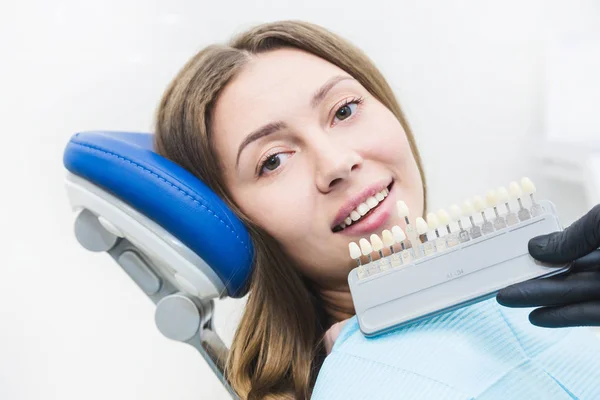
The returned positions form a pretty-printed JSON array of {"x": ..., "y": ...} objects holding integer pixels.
[{"x": 178, "y": 316}]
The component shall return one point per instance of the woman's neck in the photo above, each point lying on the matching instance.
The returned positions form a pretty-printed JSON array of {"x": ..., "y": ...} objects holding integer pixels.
[{"x": 337, "y": 302}]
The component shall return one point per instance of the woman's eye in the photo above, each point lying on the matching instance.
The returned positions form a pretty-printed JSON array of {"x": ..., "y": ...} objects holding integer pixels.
[
  {"x": 272, "y": 162},
  {"x": 346, "y": 110}
]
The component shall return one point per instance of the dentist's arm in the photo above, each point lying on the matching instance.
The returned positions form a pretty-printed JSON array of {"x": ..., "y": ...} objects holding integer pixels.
[{"x": 571, "y": 299}]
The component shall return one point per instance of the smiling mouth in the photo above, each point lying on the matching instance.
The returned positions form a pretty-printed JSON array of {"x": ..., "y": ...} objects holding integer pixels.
[{"x": 364, "y": 209}]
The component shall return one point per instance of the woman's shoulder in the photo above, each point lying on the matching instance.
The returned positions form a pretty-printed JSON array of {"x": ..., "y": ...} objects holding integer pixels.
[{"x": 337, "y": 332}]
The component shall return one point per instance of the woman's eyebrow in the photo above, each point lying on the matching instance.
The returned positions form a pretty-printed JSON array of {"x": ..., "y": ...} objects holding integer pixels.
[
  {"x": 273, "y": 127},
  {"x": 263, "y": 131},
  {"x": 323, "y": 90}
]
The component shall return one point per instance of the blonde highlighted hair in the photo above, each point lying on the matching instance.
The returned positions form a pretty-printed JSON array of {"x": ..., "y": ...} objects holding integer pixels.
[{"x": 277, "y": 349}]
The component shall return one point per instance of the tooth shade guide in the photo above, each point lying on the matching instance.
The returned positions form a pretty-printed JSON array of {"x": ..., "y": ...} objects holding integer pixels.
[
  {"x": 515, "y": 190},
  {"x": 422, "y": 226},
  {"x": 376, "y": 242},
  {"x": 404, "y": 212},
  {"x": 530, "y": 189},
  {"x": 355, "y": 251},
  {"x": 391, "y": 300},
  {"x": 398, "y": 233},
  {"x": 402, "y": 209},
  {"x": 387, "y": 237},
  {"x": 424, "y": 236},
  {"x": 517, "y": 193},
  {"x": 478, "y": 204},
  {"x": 504, "y": 197},
  {"x": 444, "y": 217},
  {"x": 433, "y": 223}
]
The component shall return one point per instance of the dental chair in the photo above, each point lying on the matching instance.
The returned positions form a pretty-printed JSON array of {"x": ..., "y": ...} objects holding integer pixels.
[{"x": 168, "y": 231}]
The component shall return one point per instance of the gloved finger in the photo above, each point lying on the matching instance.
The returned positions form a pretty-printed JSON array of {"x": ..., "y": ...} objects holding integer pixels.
[
  {"x": 587, "y": 262},
  {"x": 554, "y": 291},
  {"x": 582, "y": 314},
  {"x": 579, "y": 239}
]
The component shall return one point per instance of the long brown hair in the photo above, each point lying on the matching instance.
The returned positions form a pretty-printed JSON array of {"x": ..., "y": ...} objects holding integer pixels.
[{"x": 277, "y": 349}]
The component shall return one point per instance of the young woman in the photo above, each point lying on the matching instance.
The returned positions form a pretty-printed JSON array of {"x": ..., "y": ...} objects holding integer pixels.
[{"x": 294, "y": 128}]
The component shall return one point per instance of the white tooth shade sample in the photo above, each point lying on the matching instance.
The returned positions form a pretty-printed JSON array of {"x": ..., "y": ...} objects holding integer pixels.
[
  {"x": 432, "y": 221},
  {"x": 478, "y": 204},
  {"x": 388, "y": 238},
  {"x": 491, "y": 198},
  {"x": 528, "y": 186},
  {"x": 515, "y": 190},
  {"x": 421, "y": 226},
  {"x": 354, "y": 250},
  {"x": 399, "y": 235},
  {"x": 376, "y": 242},
  {"x": 444, "y": 217},
  {"x": 365, "y": 247},
  {"x": 402, "y": 209},
  {"x": 467, "y": 208},
  {"x": 456, "y": 212},
  {"x": 503, "y": 194}
]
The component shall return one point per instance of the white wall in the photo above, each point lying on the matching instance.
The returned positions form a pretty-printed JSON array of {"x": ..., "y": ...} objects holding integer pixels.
[{"x": 72, "y": 325}]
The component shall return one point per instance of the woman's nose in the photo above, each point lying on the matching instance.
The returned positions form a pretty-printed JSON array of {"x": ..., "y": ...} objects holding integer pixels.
[{"x": 335, "y": 165}]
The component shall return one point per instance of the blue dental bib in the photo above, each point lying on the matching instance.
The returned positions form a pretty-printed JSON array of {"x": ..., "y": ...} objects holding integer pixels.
[{"x": 483, "y": 352}]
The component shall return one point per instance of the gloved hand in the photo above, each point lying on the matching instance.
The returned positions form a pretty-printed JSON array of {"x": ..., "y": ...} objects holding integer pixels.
[{"x": 570, "y": 299}]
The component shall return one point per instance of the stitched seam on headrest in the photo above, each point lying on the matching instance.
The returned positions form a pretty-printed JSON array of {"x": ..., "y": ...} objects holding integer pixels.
[{"x": 167, "y": 182}]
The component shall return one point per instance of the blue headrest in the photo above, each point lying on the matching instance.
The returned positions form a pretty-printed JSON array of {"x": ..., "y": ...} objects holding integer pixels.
[{"x": 125, "y": 165}]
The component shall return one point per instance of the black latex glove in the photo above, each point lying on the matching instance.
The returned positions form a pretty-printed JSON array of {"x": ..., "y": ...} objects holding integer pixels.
[{"x": 570, "y": 299}]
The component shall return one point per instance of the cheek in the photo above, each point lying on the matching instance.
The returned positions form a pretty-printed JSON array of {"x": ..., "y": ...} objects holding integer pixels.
[
  {"x": 283, "y": 207},
  {"x": 389, "y": 146},
  {"x": 387, "y": 141}
]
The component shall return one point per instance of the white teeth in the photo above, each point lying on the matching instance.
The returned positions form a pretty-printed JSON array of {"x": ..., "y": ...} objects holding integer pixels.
[
  {"x": 362, "y": 209},
  {"x": 365, "y": 207}
]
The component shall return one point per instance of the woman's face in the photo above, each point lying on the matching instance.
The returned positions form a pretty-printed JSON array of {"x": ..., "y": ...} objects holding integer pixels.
[{"x": 302, "y": 145}]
